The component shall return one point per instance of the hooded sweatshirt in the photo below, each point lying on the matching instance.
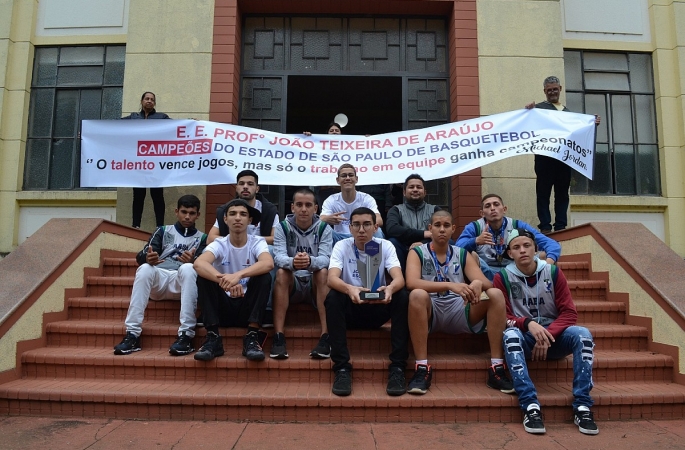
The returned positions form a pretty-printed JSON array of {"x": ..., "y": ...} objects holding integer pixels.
[
  {"x": 289, "y": 239},
  {"x": 543, "y": 297}
]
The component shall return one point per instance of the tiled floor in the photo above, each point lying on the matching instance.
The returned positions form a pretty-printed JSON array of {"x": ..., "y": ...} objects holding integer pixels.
[{"x": 78, "y": 433}]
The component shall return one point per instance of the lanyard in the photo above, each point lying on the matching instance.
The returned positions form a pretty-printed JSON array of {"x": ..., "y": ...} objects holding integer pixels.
[
  {"x": 498, "y": 239},
  {"x": 441, "y": 269}
]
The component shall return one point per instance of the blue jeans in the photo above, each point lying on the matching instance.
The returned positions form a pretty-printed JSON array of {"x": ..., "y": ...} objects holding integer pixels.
[
  {"x": 574, "y": 340},
  {"x": 340, "y": 236}
]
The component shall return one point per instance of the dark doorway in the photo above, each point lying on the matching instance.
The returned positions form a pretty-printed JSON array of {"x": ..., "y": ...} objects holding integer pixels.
[{"x": 373, "y": 105}]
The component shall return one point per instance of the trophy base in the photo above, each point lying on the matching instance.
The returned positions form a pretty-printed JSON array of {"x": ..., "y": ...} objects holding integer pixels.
[{"x": 366, "y": 296}]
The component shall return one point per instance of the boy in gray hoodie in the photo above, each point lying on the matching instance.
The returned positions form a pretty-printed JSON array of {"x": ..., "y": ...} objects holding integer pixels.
[{"x": 302, "y": 252}]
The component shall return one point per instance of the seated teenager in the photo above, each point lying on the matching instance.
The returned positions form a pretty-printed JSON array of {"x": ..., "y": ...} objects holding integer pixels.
[
  {"x": 234, "y": 283},
  {"x": 542, "y": 317},
  {"x": 446, "y": 286},
  {"x": 487, "y": 237},
  {"x": 166, "y": 272},
  {"x": 345, "y": 308},
  {"x": 302, "y": 252}
]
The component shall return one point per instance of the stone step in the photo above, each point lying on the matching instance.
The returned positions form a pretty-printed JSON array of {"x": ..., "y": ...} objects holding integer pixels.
[
  {"x": 102, "y": 364},
  {"x": 600, "y": 311},
  {"x": 102, "y": 333},
  {"x": 575, "y": 270},
  {"x": 307, "y": 401},
  {"x": 167, "y": 311},
  {"x": 119, "y": 267},
  {"x": 163, "y": 311}
]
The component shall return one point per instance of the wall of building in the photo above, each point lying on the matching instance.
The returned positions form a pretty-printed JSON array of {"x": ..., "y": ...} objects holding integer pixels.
[{"x": 171, "y": 50}]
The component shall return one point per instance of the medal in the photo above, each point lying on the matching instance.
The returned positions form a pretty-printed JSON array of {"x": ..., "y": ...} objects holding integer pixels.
[{"x": 441, "y": 269}]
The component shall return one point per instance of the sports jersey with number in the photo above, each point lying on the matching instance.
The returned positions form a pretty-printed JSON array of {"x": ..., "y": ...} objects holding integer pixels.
[
  {"x": 345, "y": 258},
  {"x": 230, "y": 259},
  {"x": 336, "y": 204}
]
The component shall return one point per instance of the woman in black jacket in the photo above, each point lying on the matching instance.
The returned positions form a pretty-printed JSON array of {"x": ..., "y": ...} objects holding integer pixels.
[{"x": 148, "y": 101}]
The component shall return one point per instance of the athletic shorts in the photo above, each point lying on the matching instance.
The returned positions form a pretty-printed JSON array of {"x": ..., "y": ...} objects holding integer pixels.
[
  {"x": 451, "y": 316},
  {"x": 303, "y": 288}
]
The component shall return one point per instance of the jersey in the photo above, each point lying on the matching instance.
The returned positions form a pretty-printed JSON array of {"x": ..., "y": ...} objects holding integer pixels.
[
  {"x": 489, "y": 253},
  {"x": 345, "y": 258},
  {"x": 170, "y": 241},
  {"x": 535, "y": 301},
  {"x": 230, "y": 259},
  {"x": 450, "y": 315},
  {"x": 336, "y": 204}
]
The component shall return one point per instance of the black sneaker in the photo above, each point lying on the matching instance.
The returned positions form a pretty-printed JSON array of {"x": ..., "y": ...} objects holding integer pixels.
[
  {"x": 342, "y": 385},
  {"x": 130, "y": 344},
  {"x": 498, "y": 379},
  {"x": 278, "y": 350},
  {"x": 421, "y": 380},
  {"x": 322, "y": 349},
  {"x": 182, "y": 346},
  {"x": 532, "y": 420},
  {"x": 212, "y": 347},
  {"x": 251, "y": 348},
  {"x": 583, "y": 418},
  {"x": 397, "y": 384}
]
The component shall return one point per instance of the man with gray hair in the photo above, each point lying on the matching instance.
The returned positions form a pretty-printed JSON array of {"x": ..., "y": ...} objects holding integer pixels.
[{"x": 552, "y": 173}]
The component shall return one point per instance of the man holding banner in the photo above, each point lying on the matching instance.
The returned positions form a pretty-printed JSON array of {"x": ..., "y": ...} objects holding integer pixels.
[
  {"x": 551, "y": 172},
  {"x": 360, "y": 298}
]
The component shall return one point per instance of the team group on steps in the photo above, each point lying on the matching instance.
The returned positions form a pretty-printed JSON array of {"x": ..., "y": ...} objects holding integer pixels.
[{"x": 499, "y": 278}]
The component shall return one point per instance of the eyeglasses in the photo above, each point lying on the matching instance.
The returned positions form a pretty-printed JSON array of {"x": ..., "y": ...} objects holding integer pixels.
[
  {"x": 347, "y": 175},
  {"x": 357, "y": 225}
]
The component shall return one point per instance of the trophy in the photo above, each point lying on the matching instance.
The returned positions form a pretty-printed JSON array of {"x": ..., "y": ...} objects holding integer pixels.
[{"x": 369, "y": 271}]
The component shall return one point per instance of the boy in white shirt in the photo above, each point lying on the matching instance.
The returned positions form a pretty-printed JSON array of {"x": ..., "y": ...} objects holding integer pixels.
[
  {"x": 234, "y": 283},
  {"x": 345, "y": 308},
  {"x": 337, "y": 208}
]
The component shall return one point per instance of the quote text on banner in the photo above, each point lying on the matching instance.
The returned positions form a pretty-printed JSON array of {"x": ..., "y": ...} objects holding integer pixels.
[{"x": 160, "y": 153}]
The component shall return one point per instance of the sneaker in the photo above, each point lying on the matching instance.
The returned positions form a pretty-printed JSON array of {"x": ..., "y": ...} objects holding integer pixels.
[
  {"x": 268, "y": 320},
  {"x": 397, "y": 384},
  {"x": 182, "y": 346},
  {"x": 322, "y": 349},
  {"x": 498, "y": 379},
  {"x": 583, "y": 418},
  {"x": 251, "y": 348},
  {"x": 130, "y": 344},
  {"x": 212, "y": 347},
  {"x": 532, "y": 420},
  {"x": 278, "y": 350},
  {"x": 342, "y": 385},
  {"x": 546, "y": 231},
  {"x": 421, "y": 380}
]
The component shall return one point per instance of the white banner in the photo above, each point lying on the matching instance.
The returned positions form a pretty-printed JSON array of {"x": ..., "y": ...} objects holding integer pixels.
[{"x": 159, "y": 153}]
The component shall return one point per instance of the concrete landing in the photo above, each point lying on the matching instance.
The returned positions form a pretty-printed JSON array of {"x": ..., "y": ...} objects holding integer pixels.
[{"x": 92, "y": 434}]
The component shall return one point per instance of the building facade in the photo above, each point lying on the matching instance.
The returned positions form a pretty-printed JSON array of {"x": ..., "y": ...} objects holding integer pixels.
[{"x": 290, "y": 66}]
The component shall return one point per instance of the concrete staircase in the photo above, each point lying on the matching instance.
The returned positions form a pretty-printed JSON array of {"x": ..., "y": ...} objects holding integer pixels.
[{"x": 76, "y": 374}]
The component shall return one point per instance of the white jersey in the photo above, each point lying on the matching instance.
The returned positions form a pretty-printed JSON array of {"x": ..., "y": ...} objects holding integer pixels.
[
  {"x": 253, "y": 230},
  {"x": 336, "y": 204},
  {"x": 345, "y": 258},
  {"x": 230, "y": 259}
]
